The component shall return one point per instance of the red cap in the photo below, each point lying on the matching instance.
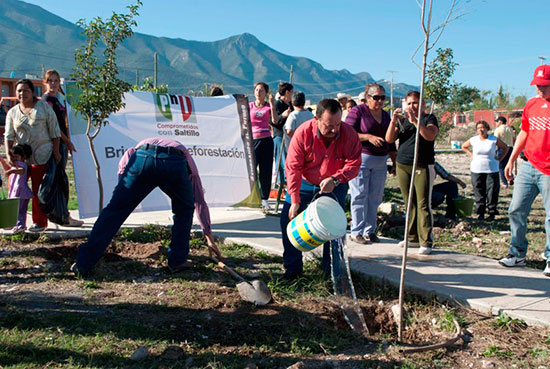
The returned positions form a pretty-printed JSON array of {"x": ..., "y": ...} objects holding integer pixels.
[{"x": 541, "y": 76}]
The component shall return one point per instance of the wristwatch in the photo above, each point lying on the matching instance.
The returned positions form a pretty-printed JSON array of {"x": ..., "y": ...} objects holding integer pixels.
[{"x": 335, "y": 181}]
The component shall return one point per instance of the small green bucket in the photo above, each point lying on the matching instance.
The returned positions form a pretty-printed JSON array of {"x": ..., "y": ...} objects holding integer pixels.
[
  {"x": 9, "y": 209},
  {"x": 464, "y": 206}
]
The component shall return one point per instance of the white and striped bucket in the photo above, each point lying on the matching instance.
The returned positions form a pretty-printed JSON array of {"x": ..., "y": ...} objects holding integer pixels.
[{"x": 322, "y": 221}]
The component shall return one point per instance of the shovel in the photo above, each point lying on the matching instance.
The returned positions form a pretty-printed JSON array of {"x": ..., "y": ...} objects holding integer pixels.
[{"x": 255, "y": 291}]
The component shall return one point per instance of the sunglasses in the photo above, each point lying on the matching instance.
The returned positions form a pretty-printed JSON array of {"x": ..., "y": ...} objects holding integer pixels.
[{"x": 377, "y": 97}]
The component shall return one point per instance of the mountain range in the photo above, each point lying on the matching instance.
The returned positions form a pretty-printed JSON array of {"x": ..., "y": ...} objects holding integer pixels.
[{"x": 34, "y": 39}]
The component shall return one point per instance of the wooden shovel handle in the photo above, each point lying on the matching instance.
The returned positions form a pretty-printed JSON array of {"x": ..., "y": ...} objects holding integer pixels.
[{"x": 221, "y": 264}]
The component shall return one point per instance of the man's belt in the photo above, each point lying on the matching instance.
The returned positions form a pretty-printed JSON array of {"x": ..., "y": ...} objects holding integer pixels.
[
  {"x": 164, "y": 149},
  {"x": 522, "y": 156}
]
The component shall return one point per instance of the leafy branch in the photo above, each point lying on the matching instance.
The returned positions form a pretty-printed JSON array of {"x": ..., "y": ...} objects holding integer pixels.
[{"x": 102, "y": 91}]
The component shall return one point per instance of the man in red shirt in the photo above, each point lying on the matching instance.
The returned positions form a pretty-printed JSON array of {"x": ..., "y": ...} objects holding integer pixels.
[
  {"x": 323, "y": 157},
  {"x": 534, "y": 172}
]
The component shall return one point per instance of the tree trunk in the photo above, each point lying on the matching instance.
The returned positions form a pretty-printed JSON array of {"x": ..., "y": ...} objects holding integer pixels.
[
  {"x": 426, "y": 29},
  {"x": 96, "y": 162}
]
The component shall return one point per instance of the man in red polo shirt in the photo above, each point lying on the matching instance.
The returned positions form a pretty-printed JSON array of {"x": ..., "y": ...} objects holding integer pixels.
[
  {"x": 534, "y": 172},
  {"x": 324, "y": 155}
]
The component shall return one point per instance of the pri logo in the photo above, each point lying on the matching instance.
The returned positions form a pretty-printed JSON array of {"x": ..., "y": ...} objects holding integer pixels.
[
  {"x": 540, "y": 73},
  {"x": 173, "y": 108}
]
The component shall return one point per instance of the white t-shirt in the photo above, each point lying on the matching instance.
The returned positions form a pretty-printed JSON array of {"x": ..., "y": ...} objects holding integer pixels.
[
  {"x": 484, "y": 160},
  {"x": 294, "y": 120}
]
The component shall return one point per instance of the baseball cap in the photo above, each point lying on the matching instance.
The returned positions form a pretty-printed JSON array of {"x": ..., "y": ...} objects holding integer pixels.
[
  {"x": 541, "y": 76},
  {"x": 361, "y": 96},
  {"x": 501, "y": 119}
]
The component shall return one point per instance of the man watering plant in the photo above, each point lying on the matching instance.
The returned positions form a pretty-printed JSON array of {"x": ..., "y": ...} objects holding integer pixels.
[
  {"x": 154, "y": 162},
  {"x": 323, "y": 157}
]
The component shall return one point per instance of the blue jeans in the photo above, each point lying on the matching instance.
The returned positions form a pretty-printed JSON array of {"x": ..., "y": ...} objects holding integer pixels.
[
  {"x": 367, "y": 192},
  {"x": 292, "y": 257},
  {"x": 445, "y": 191},
  {"x": 528, "y": 184},
  {"x": 147, "y": 169},
  {"x": 277, "y": 145}
]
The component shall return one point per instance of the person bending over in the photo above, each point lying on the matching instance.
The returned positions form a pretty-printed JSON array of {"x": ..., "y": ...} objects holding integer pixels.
[{"x": 154, "y": 162}]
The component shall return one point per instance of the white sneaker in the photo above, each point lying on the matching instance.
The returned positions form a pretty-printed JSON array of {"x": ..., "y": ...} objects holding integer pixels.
[
  {"x": 411, "y": 244},
  {"x": 542, "y": 256},
  {"x": 546, "y": 270},
  {"x": 424, "y": 250},
  {"x": 18, "y": 229},
  {"x": 512, "y": 261},
  {"x": 265, "y": 206}
]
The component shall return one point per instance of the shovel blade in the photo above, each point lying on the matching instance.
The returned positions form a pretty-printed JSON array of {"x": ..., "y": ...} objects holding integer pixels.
[{"x": 255, "y": 292}]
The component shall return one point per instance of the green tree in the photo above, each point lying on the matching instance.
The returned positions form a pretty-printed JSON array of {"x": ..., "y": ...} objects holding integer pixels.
[
  {"x": 502, "y": 99},
  {"x": 438, "y": 76},
  {"x": 461, "y": 98},
  {"x": 484, "y": 102},
  {"x": 147, "y": 86},
  {"x": 101, "y": 89},
  {"x": 519, "y": 102}
]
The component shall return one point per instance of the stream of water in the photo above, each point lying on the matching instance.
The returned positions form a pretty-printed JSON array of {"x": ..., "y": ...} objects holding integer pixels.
[{"x": 344, "y": 291}]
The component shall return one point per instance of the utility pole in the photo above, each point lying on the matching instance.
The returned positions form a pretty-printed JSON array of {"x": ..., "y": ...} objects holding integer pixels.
[
  {"x": 43, "y": 70},
  {"x": 542, "y": 59},
  {"x": 391, "y": 90},
  {"x": 155, "y": 70},
  {"x": 291, "y": 73},
  {"x": 137, "y": 77}
]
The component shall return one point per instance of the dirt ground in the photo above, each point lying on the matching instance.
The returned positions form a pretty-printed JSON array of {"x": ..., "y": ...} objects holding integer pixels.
[{"x": 49, "y": 318}]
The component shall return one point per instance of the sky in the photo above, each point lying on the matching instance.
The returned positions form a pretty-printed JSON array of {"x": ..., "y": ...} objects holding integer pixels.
[{"x": 495, "y": 42}]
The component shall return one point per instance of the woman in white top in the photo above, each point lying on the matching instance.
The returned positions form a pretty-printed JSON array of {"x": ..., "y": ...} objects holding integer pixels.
[
  {"x": 33, "y": 122},
  {"x": 484, "y": 168}
]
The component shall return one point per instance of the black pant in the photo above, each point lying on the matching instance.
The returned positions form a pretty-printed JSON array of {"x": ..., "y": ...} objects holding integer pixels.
[
  {"x": 446, "y": 191},
  {"x": 502, "y": 164},
  {"x": 486, "y": 188},
  {"x": 263, "y": 151}
]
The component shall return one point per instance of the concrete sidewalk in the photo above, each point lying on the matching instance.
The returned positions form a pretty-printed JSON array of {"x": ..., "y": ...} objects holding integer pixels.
[{"x": 477, "y": 282}]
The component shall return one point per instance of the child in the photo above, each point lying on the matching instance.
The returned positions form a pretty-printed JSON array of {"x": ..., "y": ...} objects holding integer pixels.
[{"x": 17, "y": 183}]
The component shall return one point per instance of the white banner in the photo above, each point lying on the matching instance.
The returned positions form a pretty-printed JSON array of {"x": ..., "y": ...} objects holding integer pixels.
[{"x": 215, "y": 130}]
